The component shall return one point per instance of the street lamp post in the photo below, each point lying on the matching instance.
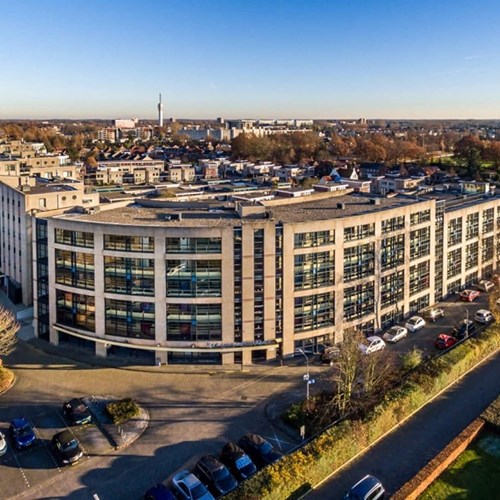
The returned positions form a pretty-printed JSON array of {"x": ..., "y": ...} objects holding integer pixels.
[{"x": 307, "y": 379}]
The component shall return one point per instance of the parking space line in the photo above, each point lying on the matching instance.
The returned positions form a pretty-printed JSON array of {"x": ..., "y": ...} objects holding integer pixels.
[
  {"x": 20, "y": 468},
  {"x": 47, "y": 449}
]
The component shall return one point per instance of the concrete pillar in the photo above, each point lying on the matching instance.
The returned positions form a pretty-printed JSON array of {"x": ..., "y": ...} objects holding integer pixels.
[{"x": 101, "y": 350}]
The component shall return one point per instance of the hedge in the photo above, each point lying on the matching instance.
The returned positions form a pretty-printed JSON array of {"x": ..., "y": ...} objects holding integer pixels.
[
  {"x": 123, "y": 410},
  {"x": 492, "y": 414},
  {"x": 308, "y": 465}
]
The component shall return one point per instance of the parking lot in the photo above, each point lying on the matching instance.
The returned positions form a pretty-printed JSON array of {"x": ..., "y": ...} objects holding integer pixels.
[
  {"x": 190, "y": 415},
  {"x": 23, "y": 469}
]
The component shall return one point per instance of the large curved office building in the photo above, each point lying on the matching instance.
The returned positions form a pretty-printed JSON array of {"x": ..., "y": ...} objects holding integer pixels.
[{"x": 240, "y": 281}]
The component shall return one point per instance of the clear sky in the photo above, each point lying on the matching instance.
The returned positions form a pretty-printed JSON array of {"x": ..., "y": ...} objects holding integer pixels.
[{"x": 250, "y": 58}]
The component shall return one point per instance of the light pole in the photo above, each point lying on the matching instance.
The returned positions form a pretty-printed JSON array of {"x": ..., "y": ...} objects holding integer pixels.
[{"x": 307, "y": 379}]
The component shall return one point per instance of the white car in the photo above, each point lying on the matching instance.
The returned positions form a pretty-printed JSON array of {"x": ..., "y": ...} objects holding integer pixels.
[
  {"x": 485, "y": 285},
  {"x": 3, "y": 444},
  {"x": 415, "y": 323},
  {"x": 483, "y": 316},
  {"x": 188, "y": 487},
  {"x": 372, "y": 344},
  {"x": 395, "y": 333}
]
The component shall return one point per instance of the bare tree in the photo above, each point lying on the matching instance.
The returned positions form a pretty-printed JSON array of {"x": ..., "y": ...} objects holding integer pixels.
[{"x": 8, "y": 332}]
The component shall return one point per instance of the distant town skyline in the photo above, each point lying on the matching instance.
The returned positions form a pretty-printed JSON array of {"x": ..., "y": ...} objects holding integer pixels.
[{"x": 381, "y": 59}]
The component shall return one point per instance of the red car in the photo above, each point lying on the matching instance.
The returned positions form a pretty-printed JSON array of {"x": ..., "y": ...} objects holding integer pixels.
[
  {"x": 469, "y": 295},
  {"x": 444, "y": 341}
]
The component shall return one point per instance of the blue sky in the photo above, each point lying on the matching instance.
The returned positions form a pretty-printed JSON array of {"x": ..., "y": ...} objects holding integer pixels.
[{"x": 250, "y": 58}]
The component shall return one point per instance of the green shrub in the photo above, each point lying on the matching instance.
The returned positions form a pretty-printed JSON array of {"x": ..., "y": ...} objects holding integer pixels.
[
  {"x": 411, "y": 359},
  {"x": 331, "y": 449},
  {"x": 123, "y": 410}
]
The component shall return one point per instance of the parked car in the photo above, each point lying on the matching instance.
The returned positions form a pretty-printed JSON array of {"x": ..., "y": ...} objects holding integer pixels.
[
  {"x": 3, "y": 444},
  {"x": 237, "y": 461},
  {"x": 415, "y": 323},
  {"x": 394, "y": 334},
  {"x": 330, "y": 354},
  {"x": 259, "y": 450},
  {"x": 77, "y": 412},
  {"x": 159, "y": 492},
  {"x": 464, "y": 329},
  {"x": 215, "y": 475},
  {"x": 434, "y": 313},
  {"x": 483, "y": 316},
  {"x": 22, "y": 433},
  {"x": 444, "y": 341},
  {"x": 372, "y": 344},
  {"x": 469, "y": 295},
  {"x": 485, "y": 285},
  {"x": 188, "y": 487},
  {"x": 67, "y": 447},
  {"x": 368, "y": 488}
]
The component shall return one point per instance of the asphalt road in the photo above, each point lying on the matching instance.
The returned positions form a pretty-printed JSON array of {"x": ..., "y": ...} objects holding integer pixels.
[{"x": 398, "y": 457}]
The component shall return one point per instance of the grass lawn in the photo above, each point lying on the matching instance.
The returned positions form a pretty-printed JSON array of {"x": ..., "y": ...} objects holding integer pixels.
[{"x": 475, "y": 474}]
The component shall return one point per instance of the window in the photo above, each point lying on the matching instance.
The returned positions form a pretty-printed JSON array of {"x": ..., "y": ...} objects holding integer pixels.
[
  {"x": 472, "y": 226},
  {"x": 192, "y": 322},
  {"x": 359, "y": 301},
  {"x": 419, "y": 277},
  {"x": 471, "y": 255},
  {"x": 194, "y": 245},
  {"x": 455, "y": 231},
  {"x": 313, "y": 312},
  {"x": 419, "y": 304},
  {"x": 129, "y": 276},
  {"x": 314, "y": 239},
  {"x": 420, "y": 243},
  {"x": 74, "y": 269},
  {"x": 74, "y": 238},
  {"x": 488, "y": 220},
  {"x": 314, "y": 270},
  {"x": 392, "y": 252},
  {"x": 125, "y": 243},
  {"x": 75, "y": 310},
  {"x": 392, "y": 288},
  {"x": 394, "y": 224},
  {"x": 130, "y": 319},
  {"x": 194, "y": 278},
  {"x": 420, "y": 217},
  {"x": 488, "y": 249},
  {"x": 454, "y": 263},
  {"x": 359, "y": 261},
  {"x": 359, "y": 232}
]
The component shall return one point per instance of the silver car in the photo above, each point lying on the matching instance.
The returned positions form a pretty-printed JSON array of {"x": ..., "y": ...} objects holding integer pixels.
[
  {"x": 395, "y": 333},
  {"x": 3, "y": 444}
]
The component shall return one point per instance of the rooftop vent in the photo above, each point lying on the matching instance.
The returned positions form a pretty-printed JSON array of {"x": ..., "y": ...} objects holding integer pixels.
[
  {"x": 375, "y": 201},
  {"x": 341, "y": 206}
]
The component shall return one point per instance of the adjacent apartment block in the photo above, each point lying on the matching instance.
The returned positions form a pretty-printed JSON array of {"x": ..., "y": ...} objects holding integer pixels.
[{"x": 236, "y": 282}]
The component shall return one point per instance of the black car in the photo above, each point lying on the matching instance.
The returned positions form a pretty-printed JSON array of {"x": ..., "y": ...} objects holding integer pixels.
[
  {"x": 465, "y": 329},
  {"x": 77, "y": 412},
  {"x": 260, "y": 451},
  {"x": 159, "y": 492},
  {"x": 67, "y": 447},
  {"x": 215, "y": 475},
  {"x": 237, "y": 461}
]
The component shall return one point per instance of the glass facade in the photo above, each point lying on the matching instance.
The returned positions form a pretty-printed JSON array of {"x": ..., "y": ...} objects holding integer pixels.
[
  {"x": 455, "y": 231},
  {"x": 314, "y": 270},
  {"x": 454, "y": 263},
  {"x": 125, "y": 243},
  {"x": 392, "y": 288},
  {"x": 392, "y": 253},
  {"x": 359, "y": 261},
  {"x": 129, "y": 276},
  {"x": 419, "y": 277},
  {"x": 359, "y": 232},
  {"x": 420, "y": 217},
  {"x": 359, "y": 301},
  {"x": 130, "y": 319},
  {"x": 193, "y": 245},
  {"x": 471, "y": 255},
  {"x": 194, "y": 278},
  {"x": 193, "y": 322},
  {"x": 258, "y": 281},
  {"x": 313, "y": 312},
  {"x": 488, "y": 220},
  {"x": 75, "y": 310},
  {"x": 314, "y": 239},
  {"x": 75, "y": 269},
  {"x": 420, "y": 243},
  {"x": 42, "y": 282},
  {"x": 394, "y": 224},
  {"x": 472, "y": 226},
  {"x": 74, "y": 238}
]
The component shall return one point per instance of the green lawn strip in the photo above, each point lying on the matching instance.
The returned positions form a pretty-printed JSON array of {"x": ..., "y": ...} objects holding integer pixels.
[
  {"x": 333, "y": 448},
  {"x": 474, "y": 474}
]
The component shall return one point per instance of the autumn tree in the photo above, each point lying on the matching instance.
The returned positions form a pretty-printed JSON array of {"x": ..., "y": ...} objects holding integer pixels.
[
  {"x": 468, "y": 151},
  {"x": 492, "y": 153},
  {"x": 8, "y": 332}
]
